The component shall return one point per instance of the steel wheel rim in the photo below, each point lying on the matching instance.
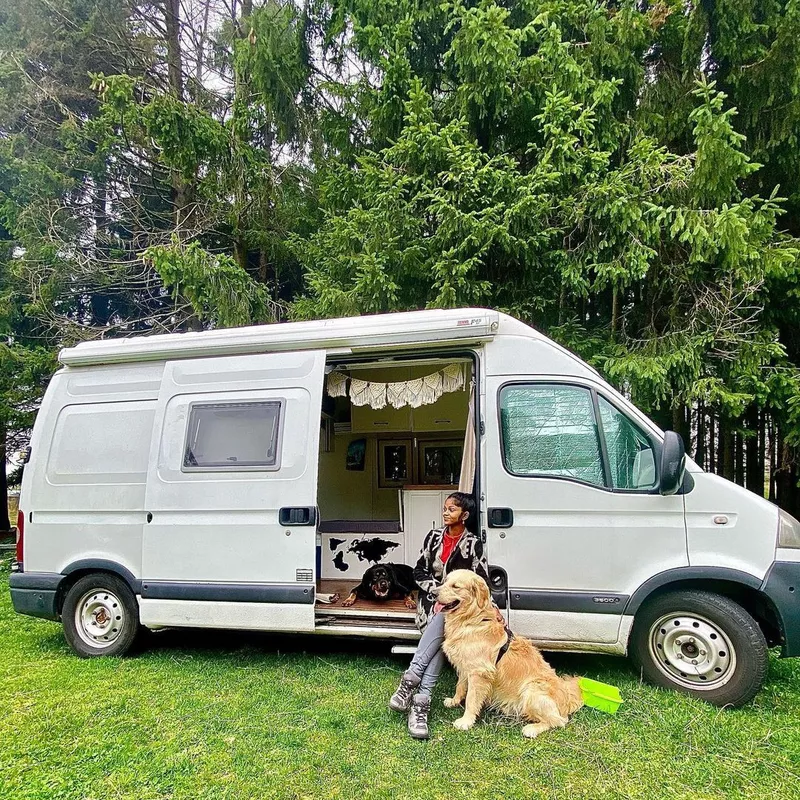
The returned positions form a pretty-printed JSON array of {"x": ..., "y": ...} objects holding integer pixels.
[
  {"x": 99, "y": 618},
  {"x": 692, "y": 651}
]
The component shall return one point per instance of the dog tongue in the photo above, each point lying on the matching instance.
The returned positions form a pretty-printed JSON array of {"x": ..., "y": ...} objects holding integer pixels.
[{"x": 437, "y": 607}]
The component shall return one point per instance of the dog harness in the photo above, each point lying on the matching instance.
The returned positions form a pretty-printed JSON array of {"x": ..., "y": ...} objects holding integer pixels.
[{"x": 506, "y": 645}]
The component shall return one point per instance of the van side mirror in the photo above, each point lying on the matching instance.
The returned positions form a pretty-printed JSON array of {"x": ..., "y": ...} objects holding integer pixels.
[{"x": 673, "y": 463}]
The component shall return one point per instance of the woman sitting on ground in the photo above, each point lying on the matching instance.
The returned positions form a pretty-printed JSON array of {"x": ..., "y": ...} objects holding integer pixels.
[{"x": 457, "y": 545}]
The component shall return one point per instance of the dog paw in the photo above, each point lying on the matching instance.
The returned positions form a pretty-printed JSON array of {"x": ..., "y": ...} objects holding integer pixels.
[
  {"x": 451, "y": 702},
  {"x": 463, "y": 724},
  {"x": 410, "y": 603},
  {"x": 348, "y": 602}
]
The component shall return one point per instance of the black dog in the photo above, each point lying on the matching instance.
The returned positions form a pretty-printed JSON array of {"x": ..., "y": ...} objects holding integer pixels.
[{"x": 385, "y": 582}]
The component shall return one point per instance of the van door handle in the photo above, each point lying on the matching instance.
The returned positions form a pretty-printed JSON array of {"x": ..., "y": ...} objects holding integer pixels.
[
  {"x": 501, "y": 517},
  {"x": 303, "y": 515},
  {"x": 149, "y": 516}
]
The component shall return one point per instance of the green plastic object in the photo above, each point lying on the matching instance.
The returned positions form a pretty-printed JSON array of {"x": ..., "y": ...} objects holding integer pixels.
[{"x": 601, "y": 696}]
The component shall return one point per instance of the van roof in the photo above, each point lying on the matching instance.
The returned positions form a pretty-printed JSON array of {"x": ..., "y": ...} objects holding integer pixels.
[{"x": 344, "y": 335}]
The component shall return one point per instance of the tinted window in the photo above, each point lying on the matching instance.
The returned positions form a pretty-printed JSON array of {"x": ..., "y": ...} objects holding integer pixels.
[
  {"x": 630, "y": 454},
  {"x": 233, "y": 435}
]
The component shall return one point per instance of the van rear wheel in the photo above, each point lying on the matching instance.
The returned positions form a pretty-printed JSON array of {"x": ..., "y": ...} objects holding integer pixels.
[
  {"x": 700, "y": 643},
  {"x": 100, "y": 616}
]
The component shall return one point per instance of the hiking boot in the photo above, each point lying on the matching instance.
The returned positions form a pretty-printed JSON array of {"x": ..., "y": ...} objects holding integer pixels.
[
  {"x": 401, "y": 699},
  {"x": 418, "y": 716}
]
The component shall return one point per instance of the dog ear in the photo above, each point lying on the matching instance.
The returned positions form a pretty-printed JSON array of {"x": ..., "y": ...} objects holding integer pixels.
[{"x": 484, "y": 596}]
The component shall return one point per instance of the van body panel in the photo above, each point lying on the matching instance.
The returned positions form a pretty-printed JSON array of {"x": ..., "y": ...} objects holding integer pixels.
[
  {"x": 745, "y": 541},
  {"x": 534, "y": 355},
  {"x": 221, "y": 525},
  {"x": 84, "y": 490},
  {"x": 555, "y": 629},
  {"x": 114, "y": 382},
  {"x": 225, "y": 614}
]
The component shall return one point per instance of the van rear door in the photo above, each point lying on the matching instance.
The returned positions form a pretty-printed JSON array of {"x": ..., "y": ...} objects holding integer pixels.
[{"x": 230, "y": 534}]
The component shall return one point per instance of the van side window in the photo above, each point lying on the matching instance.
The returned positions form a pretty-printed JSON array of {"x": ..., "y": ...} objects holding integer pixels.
[
  {"x": 233, "y": 436},
  {"x": 630, "y": 453},
  {"x": 549, "y": 429}
]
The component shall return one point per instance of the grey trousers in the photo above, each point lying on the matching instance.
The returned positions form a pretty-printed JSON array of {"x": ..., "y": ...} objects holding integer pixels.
[{"x": 429, "y": 659}]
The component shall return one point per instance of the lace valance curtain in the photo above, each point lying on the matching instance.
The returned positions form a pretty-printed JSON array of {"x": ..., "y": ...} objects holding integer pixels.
[{"x": 415, "y": 392}]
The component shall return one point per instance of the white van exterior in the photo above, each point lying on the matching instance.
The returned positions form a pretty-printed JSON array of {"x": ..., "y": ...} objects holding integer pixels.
[{"x": 601, "y": 535}]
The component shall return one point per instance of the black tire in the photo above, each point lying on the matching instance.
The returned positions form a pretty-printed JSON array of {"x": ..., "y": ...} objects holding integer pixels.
[
  {"x": 700, "y": 643},
  {"x": 100, "y": 616}
]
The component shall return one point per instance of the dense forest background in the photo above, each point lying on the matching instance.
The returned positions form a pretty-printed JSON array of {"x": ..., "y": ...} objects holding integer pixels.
[{"x": 624, "y": 176}]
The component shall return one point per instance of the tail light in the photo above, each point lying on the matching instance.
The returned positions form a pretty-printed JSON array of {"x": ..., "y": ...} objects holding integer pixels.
[{"x": 20, "y": 532}]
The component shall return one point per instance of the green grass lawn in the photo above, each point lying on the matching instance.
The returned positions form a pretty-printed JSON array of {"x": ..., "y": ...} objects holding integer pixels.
[{"x": 226, "y": 715}]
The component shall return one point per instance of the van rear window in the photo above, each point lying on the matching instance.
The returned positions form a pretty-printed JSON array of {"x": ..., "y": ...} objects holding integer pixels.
[{"x": 233, "y": 436}]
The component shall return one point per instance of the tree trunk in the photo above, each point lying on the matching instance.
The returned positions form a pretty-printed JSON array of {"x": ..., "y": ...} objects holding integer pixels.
[
  {"x": 5, "y": 522},
  {"x": 783, "y": 474},
  {"x": 181, "y": 191},
  {"x": 240, "y": 253},
  {"x": 726, "y": 436},
  {"x": 753, "y": 447},
  {"x": 772, "y": 463},
  {"x": 172, "y": 21},
  {"x": 679, "y": 424},
  {"x": 614, "y": 313},
  {"x": 739, "y": 458},
  {"x": 700, "y": 450},
  {"x": 712, "y": 444}
]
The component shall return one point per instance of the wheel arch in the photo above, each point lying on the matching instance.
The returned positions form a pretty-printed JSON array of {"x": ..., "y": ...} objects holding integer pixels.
[
  {"x": 741, "y": 587},
  {"x": 90, "y": 566}
]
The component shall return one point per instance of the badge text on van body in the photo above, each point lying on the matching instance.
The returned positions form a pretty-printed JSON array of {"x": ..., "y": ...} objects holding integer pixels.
[{"x": 605, "y": 599}]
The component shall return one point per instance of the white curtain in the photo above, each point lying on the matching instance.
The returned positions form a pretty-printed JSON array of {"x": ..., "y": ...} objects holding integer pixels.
[{"x": 467, "y": 478}]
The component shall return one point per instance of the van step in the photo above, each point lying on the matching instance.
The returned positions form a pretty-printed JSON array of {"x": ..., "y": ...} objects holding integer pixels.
[
  {"x": 364, "y": 622},
  {"x": 357, "y": 613},
  {"x": 403, "y": 649},
  {"x": 374, "y": 631}
]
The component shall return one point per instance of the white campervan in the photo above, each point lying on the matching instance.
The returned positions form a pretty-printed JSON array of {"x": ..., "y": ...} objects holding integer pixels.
[{"x": 231, "y": 478}]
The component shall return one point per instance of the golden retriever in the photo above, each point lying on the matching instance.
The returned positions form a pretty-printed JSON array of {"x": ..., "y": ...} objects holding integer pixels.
[{"x": 521, "y": 683}]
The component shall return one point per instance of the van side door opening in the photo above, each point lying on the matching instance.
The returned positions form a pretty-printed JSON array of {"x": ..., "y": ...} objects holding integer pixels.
[{"x": 384, "y": 475}]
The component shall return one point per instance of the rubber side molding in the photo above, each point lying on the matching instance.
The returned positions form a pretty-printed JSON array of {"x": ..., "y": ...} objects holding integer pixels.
[
  {"x": 229, "y": 592},
  {"x": 691, "y": 574},
  {"x": 570, "y": 602}
]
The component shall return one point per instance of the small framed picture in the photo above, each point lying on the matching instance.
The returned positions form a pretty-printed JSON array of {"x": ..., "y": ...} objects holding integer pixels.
[
  {"x": 395, "y": 464},
  {"x": 356, "y": 455}
]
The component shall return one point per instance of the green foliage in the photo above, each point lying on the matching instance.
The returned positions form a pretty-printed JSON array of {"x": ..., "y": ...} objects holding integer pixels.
[
  {"x": 217, "y": 288},
  {"x": 625, "y": 176},
  {"x": 529, "y": 180}
]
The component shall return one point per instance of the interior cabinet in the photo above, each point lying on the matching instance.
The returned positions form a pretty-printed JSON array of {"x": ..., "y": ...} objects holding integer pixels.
[
  {"x": 364, "y": 419},
  {"x": 422, "y": 510},
  {"x": 448, "y": 413}
]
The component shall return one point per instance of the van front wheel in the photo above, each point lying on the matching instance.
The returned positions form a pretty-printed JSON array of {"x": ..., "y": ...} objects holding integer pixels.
[
  {"x": 700, "y": 643},
  {"x": 100, "y": 616}
]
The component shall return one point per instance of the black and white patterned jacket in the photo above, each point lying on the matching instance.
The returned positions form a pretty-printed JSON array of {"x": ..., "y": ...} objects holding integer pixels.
[{"x": 430, "y": 572}]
